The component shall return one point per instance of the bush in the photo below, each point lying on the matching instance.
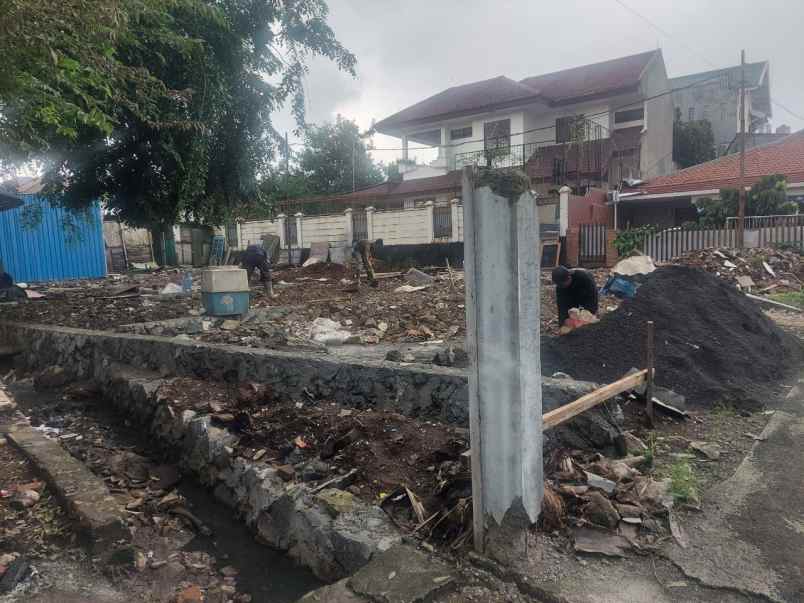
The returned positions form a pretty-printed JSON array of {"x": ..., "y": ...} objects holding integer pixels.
[{"x": 628, "y": 240}]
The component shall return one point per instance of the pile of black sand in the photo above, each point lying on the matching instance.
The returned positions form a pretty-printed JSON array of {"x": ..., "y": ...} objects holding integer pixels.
[{"x": 713, "y": 344}]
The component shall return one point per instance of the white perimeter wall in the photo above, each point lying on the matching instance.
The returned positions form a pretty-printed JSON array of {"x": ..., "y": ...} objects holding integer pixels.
[
  {"x": 317, "y": 229},
  {"x": 403, "y": 227},
  {"x": 252, "y": 232}
]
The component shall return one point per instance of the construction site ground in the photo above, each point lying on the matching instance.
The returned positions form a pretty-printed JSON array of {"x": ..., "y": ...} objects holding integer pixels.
[{"x": 735, "y": 474}]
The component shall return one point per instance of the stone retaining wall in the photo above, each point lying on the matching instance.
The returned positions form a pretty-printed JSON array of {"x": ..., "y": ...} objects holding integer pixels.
[
  {"x": 433, "y": 392},
  {"x": 329, "y": 530}
]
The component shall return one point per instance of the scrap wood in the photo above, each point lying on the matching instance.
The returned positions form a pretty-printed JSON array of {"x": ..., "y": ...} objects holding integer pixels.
[
  {"x": 773, "y": 303},
  {"x": 418, "y": 507},
  {"x": 592, "y": 399}
]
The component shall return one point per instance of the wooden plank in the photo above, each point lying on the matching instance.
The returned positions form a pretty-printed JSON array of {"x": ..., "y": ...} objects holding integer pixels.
[
  {"x": 649, "y": 365},
  {"x": 592, "y": 399}
]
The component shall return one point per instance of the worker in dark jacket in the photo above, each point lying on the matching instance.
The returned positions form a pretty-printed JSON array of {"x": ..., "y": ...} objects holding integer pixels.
[
  {"x": 575, "y": 288},
  {"x": 255, "y": 257},
  {"x": 365, "y": 250}
]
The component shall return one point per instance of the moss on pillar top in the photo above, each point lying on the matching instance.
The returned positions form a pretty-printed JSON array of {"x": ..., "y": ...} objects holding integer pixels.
[{"x": 506, "y": 183}]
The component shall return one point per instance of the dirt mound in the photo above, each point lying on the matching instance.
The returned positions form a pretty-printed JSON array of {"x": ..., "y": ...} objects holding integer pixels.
[{"x": 713, "y": 344}]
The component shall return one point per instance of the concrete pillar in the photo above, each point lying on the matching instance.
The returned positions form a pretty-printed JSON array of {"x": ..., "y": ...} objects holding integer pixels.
[
  {"x": 281, "y": 219},
  {"x": 572, "y": 246},
  {"x": 430, "y": 232},
  {"x": 505, "y": 386},
  {"x": 347, "y": 213},
  {"x": 370, "y": 223},
  {"x": 563, "y": 210},
  {"x": 404, "y": 148},
  {"x": 299, "y": 238},
  {"x": 454, "y": 216}
]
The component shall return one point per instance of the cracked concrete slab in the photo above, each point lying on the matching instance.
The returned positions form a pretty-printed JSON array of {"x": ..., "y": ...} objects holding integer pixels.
[{"x": 750, "y": 538}]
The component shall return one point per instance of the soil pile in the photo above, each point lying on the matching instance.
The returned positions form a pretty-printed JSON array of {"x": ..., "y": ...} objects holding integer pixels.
[{"x": 713, "y": 344}]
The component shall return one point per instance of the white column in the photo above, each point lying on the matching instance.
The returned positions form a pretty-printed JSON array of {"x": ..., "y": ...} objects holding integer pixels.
[
  {"x": 370, "y": 223},
  {"x": 563, "y": 210},
  {"x": 349, "y": 227},
  {"x": 429, "y": 233},
  {"x": 404, "y": 148},
  {"x": 505, "y": 395},
  {"x": 281, "y": 219},
  {"x": 454, "y": 215},
  {"x": 299, "y": 238}
]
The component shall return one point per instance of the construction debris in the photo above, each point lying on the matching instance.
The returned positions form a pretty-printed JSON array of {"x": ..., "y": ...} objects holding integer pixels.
[
  {"x": 712, "y": 343},
  {"x": 758, "y": 268}
]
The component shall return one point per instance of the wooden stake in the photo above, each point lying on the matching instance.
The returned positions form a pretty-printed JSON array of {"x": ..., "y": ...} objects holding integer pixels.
[{"x": 650, "y": 366}]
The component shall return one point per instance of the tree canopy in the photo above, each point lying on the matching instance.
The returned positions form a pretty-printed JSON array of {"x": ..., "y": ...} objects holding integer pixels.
[
  {"x": 693, "y": 141},
  {"x": 331, "y": 152},
  {"x": 766, "y": 197},
  {"x": 161, "y": 108}
]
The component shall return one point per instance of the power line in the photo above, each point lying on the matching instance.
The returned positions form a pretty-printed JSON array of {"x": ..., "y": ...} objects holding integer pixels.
[
  {"x": 664, "y": 32},
  {"x": 694, "y": 51}
]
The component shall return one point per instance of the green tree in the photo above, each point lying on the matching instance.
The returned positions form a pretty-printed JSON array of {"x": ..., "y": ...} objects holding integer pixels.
[
  {"x": 331, "y": 151},
  {"x": 693, "y": 141},
  {"x": 189, "y": 91},
  {"x": 767, "y": 197}
]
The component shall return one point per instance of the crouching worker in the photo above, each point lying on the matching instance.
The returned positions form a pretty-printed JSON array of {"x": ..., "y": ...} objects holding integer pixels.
[
  {"x": 255, "y": 257},
  {"x": 365, "y": 250},
  {"x": 575, "y": 288}
]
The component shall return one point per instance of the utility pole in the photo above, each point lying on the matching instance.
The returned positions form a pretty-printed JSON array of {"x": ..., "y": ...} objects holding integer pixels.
[
  {"x": 354, "y": 170},
  {"x": 287, "y": 179},
  {"x": 741, "y": 210}
]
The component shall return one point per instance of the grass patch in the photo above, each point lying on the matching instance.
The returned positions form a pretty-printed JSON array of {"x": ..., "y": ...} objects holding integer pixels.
[
  {"x": 683, "y": 482},
  {"x": 791, "y": 298}
]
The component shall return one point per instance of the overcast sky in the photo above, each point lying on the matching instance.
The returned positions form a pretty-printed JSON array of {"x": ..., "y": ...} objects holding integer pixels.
[{"x": 410, "y": 49}]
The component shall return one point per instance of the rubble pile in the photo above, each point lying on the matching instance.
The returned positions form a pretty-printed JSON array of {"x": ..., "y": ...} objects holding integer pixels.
[
  {"x": 610, "y": 506},
  {"x": 713, "y": 344},
  {"x": 757, "y": 270}
]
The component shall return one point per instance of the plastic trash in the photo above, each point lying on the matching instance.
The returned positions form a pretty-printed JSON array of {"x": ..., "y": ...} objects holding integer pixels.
[
  {"x": 171, "y": 289},
  {"x": 187, "y": 282},
  {"x": 328, "y": 332},
  {"x": 620, "y": 287}
]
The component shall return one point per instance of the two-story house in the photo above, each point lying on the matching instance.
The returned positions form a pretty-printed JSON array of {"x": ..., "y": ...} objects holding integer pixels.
[
  {"x": 586, "y": 126},
  {"x": 714, "y": 96}
]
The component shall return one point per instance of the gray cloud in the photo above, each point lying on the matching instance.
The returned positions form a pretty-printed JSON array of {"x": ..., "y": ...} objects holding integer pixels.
[{"x": 409, "y": 50}]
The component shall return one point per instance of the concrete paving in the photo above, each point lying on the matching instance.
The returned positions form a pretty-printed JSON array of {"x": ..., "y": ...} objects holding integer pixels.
[{"x": 751, "y": 536}]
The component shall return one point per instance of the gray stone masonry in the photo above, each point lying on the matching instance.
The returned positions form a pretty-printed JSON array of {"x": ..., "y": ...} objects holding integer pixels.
[
  {"x": 85, "y": 496},
  {"x": 434, "y": 393}
]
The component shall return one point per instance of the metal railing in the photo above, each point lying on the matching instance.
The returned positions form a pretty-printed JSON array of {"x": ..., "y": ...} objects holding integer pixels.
[{"x": 498, "y": 156}]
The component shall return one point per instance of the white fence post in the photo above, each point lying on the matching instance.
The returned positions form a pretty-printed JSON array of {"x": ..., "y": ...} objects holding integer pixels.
[
  {"x": 505, "y": 385},
  {"x": 454, "y": 209},
  {"x": 299, "y": 238},
  {"x": 563, "y": 210},
  {"x": 370, "y": 223},
  {"x": 349, "y": 226},
  {"x": 281, "y": 219},
  {"x": 430, "y": 232}
]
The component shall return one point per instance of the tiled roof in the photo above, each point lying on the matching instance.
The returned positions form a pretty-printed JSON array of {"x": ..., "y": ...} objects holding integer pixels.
[
  {"x": 559, "y": 87},
  {"x": 784, "y": 157},
  {"x": 753, "y": 76},
  {"x": 465, "y": 99},
  {"x": 592, "y": 80}
]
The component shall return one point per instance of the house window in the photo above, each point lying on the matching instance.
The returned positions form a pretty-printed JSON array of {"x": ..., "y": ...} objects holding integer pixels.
[
  {"x": 569, "y": 128},
  {"x": 497, "y": 134},
  {"x": 691, "y": 114},
  {"x": 559, "y": 170},
  {"x": 724, "y": 81},
  {"x": 723, "y": 112},
  {"x": 459, "y": 133},
  {"x": 621, "y": 117}
]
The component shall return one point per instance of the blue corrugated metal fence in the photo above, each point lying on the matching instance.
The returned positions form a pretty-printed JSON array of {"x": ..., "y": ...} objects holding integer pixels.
[{"x": 39, "y": 242}]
